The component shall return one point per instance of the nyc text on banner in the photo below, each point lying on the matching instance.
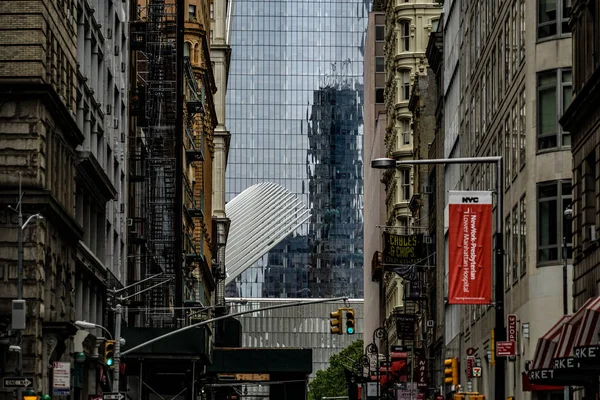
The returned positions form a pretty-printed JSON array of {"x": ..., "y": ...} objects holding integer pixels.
[{"x": 470, "y": 247}]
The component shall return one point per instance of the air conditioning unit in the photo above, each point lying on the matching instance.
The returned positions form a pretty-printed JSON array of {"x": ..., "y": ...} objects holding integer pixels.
[
  {"x": 115, "y": 123},
  {"x": 108, "y": 109},
  {"x": 109, "y": 33},
  {"x": 428, "y": 240},
  {"x": 430, "y": 323},
  {"x": 117, "y": 49},
  {"x": 129, "y": 221},
  {"x": 122, "y": 207},
  {"x": 123, "y": 137},
  {"x": 427, "y": 189},
  {"x": 123, "y": 68}
]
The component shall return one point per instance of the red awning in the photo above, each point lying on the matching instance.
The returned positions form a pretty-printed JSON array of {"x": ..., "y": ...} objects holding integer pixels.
[
  {"x": 532, "y": 387},
  {"x": 588, "y": 332},
  {"x": 572, "y": 327},
  {"x": 547, "y": 344}
]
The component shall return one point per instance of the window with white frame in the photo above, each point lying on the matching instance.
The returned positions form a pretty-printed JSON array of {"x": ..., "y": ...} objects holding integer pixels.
[
  {"x": 553, "y": 17},
  {"x": 380, "y": 64},
  {"x": 405, "y": 126},
  {"x": 515, "y": 243},
  {"x": 405, "y": 176},
  {"x": 405, "y": 35},
  {"x": 554, "y": 94},
  {"x": 522, "y": 128},
  {"x": 192, "y": 12},
  {"x": 553, "y": 198},
  {"x": 405, "y": 85}
]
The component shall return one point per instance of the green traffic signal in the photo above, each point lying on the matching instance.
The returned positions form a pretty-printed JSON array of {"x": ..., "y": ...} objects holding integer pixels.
[
  {"x": 350, "y": 321},
  {"x": 109, "y": 350}
]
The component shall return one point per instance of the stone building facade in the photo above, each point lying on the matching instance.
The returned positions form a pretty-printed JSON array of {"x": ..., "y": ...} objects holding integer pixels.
[
  {"x": 508, "y": 81},
  {"x": 582, "y": 119}
]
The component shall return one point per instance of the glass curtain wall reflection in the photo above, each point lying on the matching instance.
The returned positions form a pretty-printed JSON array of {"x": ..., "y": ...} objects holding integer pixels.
[{"x": 295, "y": 102}]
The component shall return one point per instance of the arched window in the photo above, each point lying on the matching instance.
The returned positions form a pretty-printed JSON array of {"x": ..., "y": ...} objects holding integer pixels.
[{"x": 186, "y": 49}]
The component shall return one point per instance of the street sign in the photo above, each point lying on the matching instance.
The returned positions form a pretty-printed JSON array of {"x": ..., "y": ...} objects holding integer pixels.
[
  {"x": 506, "y": 349},
  {"x": 113, "y": 396},
  {"x": 16, "y": 382},
  {"x": 61, "y": 378}
]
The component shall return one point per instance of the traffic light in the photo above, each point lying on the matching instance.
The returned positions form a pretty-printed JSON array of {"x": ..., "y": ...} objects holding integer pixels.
[
  {"x": 29, "y": 394},
  {"x": 350, "y": 321},
  {"x": 109, "y": 353},
  {"x": 336, "y": 322},
  {"x": 451, "y": 371}
]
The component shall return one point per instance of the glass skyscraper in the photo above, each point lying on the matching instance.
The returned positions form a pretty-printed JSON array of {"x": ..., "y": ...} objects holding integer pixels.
[{"x": 294, "y": 108}]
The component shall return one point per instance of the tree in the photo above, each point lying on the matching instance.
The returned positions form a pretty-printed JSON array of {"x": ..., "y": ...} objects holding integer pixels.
[{"x": 332, "y": 381}]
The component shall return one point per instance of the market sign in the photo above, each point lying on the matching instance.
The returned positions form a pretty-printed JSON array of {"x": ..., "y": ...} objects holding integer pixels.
[{"x": 403, "y": 249}]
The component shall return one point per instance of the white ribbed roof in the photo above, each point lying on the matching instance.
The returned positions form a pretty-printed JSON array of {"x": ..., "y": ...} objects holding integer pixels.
[{"x": 261, "y": 217}]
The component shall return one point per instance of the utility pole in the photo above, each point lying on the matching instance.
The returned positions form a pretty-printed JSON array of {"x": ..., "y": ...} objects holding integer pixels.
[
  {"x": 117, "y": 355},
  {"x": 20, "y": 277}
]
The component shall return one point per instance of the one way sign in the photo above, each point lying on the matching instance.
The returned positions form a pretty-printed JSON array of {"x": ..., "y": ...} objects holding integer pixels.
[
  {"x": 16, "y": 382},
  {"x": 113, "y": 396}
]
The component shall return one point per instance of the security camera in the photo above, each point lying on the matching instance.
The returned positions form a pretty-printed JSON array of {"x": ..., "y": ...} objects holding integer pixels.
[
  {"x": 568, "y": 213},
  {"x": 14, "y": 348}
]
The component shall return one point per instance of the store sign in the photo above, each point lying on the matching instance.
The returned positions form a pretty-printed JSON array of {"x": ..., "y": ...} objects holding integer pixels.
[
  {"x": 405, "y": 326},
  {"x": 470, "y": 247},
  {"x": 403, "y": 249},
  {"x": 61, "y": 379},
  {"x": 511, "y": 328},
  {"x": 420, "y": 371}
]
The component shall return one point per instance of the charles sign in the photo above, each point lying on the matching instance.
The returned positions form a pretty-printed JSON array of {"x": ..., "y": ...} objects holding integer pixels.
[
  {"x": 541, "y": 374},
  {"x": 587, "y": 352},
  {"x": 565, "y": 363}
]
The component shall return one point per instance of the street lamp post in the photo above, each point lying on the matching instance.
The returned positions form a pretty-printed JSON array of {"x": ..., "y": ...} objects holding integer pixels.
[
  {"x": 568, "y": 214},
  {"x": 499, "y": 330},
  {"x": 21, "y": 227}
]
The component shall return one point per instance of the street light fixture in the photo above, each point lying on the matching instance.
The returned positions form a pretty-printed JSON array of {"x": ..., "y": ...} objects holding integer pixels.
[
  {"x": 499, "y": 331},
  {"x": 91, "y": 325}
]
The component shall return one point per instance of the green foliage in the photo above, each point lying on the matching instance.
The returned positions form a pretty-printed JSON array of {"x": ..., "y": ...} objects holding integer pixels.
[{"x": 332, "y": 381}]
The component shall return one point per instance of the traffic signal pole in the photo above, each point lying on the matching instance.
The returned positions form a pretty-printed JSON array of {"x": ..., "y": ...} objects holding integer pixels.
[
  {"x": 117, "y": 355},
  {"x": 210, "y": 321}
]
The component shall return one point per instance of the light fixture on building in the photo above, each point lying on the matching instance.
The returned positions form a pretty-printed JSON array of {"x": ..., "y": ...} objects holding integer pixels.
[{"x": 525, "y": 326}]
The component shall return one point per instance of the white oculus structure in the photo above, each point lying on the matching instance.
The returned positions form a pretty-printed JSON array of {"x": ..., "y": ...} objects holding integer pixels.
[{"x": 261, "y": 217}]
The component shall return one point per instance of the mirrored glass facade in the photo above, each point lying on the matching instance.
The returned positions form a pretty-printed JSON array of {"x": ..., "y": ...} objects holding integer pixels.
[{"x": 295, "y": 112}]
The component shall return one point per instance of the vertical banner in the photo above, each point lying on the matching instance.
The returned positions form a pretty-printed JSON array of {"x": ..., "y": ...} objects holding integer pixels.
[
  {"x": 420, "y": 368},
  {"x": 470, "y": 247}
]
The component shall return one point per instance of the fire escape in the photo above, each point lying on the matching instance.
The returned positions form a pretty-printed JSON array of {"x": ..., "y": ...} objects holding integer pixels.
[{"x": 157, "y": 227}]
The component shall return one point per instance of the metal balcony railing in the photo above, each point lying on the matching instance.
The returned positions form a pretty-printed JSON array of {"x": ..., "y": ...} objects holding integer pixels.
[{"x": 194, "y": 145}]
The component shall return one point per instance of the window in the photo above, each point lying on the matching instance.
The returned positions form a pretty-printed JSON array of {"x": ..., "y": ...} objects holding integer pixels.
[
  {"x": 212, "y": 10},
  {"x": 405, "y": 85},
  {"x": 379, "y": 33},
  {"x": 434, "y": 25},
  {"x": 379, "y": 95},
  {"x": 522, "y": 127},
  {"x": 515, "y": 139},
  {"x": 405, "y": 36},
  {"x": 554, "y": 92},
  {"x": 192, "y": 12},
  {"x": 553, "y": 17},
  {"x": 405, "y": 184},
  {"x": 553, "y": 197},
  {"x": 379, "y": 64},
  {"x": 515, "y": 243},
  {"x": 523, "y": 235},
  {"x": 405, "y": 124}
]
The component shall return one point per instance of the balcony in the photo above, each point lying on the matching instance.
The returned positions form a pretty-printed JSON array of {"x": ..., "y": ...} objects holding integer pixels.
[
  {"x": 194, "y": 252},
  {"x": 194, "y": 205},
  {"x": 194, "y": 145}
]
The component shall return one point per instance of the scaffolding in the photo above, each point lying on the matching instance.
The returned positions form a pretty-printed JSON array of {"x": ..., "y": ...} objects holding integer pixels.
[{"x": 156, "y": 226}]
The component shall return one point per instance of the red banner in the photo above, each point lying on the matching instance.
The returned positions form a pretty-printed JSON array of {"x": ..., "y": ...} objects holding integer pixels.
[{"x": 470, "y": 247}]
